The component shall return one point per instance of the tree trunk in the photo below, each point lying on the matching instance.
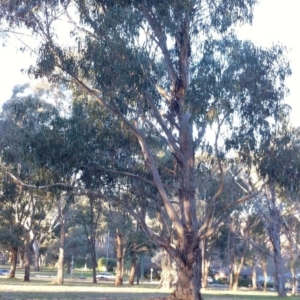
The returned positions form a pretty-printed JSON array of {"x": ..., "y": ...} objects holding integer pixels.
[
  {"x": 94, "y": 259},
  {"x": 236, "y": 273},
  {"x": 294, "y": 282},
  {"x": 168, "y": 272},
  {"x": 13, "y": 259},
  {"x": 21, "y": 258},
  {"x": 36, "y": 251},
  {"x": 189, "y": 281},
  {"x": 274, "y": 230},
  {"x": 254, "y": 277},
  {"x": 230, "y": 278},
  {"x": 27, "y": 259},
  {"x": 60, "y": 263},
  {"x": 68, "y": 261},
  {"x": 138, "y": 273},
  {"x": 264, "y": 267},
  {"x": 133, "y": 265},
  {"x": 205, "y": 264},
  {"x": 3, "y": 258},
  {"x": 120, "y": 258},
  {"x": 275, "y": 238}
]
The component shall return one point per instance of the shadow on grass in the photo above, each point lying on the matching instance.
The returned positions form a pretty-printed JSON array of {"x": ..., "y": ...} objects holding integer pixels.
[
  {"x": 14, "y": 295},
  {"x": 16, "y": 289}
]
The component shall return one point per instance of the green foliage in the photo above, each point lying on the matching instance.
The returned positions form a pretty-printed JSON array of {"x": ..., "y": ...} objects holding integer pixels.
[
  {"x": 222, "y": 281},
  {"x": 281, "y": 152},
  {"x": 245, "y": 282},
  {"x": 111, "y": 264}
]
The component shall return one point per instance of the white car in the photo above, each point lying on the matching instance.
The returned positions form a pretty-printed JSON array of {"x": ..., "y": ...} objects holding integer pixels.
[
  {"x": 105, "y": 276},
  {"x": 209, "y": 279}
]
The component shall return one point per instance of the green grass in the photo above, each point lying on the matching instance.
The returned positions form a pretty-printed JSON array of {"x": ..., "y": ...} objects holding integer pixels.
[
  {"x": 16, "y": 289},
  {"x": 242, "y": 294},
  {"x": 78, "y": 289}
]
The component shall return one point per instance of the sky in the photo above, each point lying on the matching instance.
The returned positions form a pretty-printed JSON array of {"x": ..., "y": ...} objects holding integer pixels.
[{"x": 274, "y": 21}]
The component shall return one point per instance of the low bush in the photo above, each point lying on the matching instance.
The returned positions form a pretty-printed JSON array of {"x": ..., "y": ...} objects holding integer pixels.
[{"x": 111, "y": 264}]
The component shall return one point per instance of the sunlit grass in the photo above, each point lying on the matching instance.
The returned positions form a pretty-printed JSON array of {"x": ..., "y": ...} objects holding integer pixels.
[{"x": 78, "y": 289}]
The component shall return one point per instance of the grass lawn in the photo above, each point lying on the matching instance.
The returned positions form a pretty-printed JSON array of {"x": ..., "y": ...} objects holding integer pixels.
[
  {"x": 15, "y": 289},
  {"x": 42, "y": 287}
]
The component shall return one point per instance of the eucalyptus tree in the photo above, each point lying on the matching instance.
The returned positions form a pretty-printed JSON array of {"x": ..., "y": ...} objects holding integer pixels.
[
  {"x": 98, "y": 145},
  {"x": 291, "y": 229},
  {"x": 11, "y": 232},
  {"x": 166, "y": 69},
  {"x": 22, "y": 118},
  {"x": 34, "y": 143},
  {"x": 207, "y": 184},
  {"x": 278, "y": 166},
  {"x": 88, "y": 212}
]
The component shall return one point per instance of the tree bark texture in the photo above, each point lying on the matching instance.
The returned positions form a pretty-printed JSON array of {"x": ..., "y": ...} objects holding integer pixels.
[
  {"x": 133, "y": 265},
  {"x": 13, "y": 259},
  {"x": 254, "y": 277},
  {"x": 120, "y": 258},
  {"x": 237, "y": 267},
  {"x": 27, "y": 259},
  {"x": 94, "y": 263},
  {"x": 60, "y": 263},
  {"x": 36, "y": 251},
  {"x": 264, "y": 267},
  {"x": 168, "y": 271},
  {"x": 274, "y": 229},
  {"x": 189, "y": 274},
  {"x": 21, "y": 258}
]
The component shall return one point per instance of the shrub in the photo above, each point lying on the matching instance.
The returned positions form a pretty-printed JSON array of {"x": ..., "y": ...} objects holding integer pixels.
[
  {"x": 245, "y": 282},
  {"x": 111, "y": 264}
]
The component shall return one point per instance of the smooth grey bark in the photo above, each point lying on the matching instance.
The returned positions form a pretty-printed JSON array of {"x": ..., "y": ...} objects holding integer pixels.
[
  {"x": 36, "y": 251},
  {"x": 264, "y": 267},
  {"x": 274, "y": 230},
  {"x": 61, "y": 255},
  {"x": 254, "y": 275}
]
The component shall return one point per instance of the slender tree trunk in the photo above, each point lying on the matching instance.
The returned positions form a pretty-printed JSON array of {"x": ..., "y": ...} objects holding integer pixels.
[
  {"x": 274, "y": 230},
  {"x": 13, "y": 259},
  {"x": 294, "y": 281},
  {"x": 3, "y": 258},
  {"x": 94, "y": 259},
  {"x": 236, "y": 273},
  {"x": 230, "y": 278},
  {"x": 254, "y": 277},
  {"x": 120, "y": 258},
  {"x": 264, "y": 267},
  {"x": 278, "y": 269},
  {"x": 138, "y": 273},
  {"x": 68, "y": 261},
  {"x": 21, "y": 258},
  {"x": 60, "y": 263},
  {"x": 36, "y": 251},
  {"x": 205, "y": 264},
  {"x": 27, "y": 260},
  {"x": 133, "y": 265}
]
